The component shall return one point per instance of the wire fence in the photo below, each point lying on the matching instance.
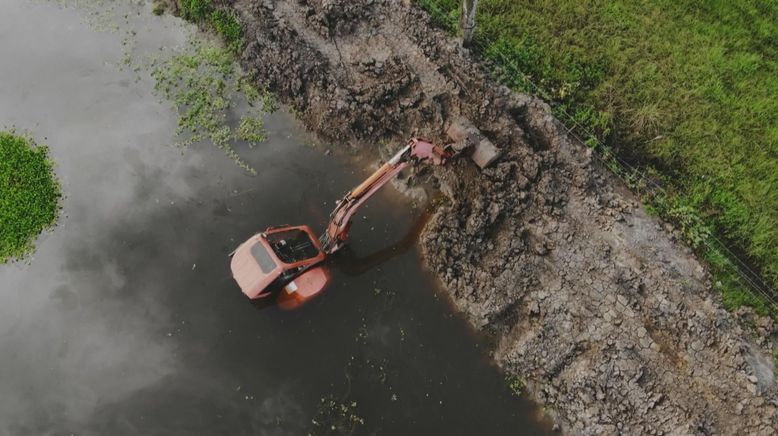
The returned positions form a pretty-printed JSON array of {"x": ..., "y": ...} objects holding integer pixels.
[{"x": 631, "y": 175}]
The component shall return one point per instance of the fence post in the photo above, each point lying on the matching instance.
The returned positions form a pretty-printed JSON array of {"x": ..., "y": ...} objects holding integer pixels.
[{"x": 467, "y": 21}]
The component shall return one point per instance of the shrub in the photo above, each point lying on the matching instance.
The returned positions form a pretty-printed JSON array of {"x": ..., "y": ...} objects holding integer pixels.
[{"x": 29, "y": 194}]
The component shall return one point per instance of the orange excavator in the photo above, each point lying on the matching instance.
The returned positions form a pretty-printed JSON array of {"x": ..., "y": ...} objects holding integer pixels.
[{"x": 288, "y": 261}]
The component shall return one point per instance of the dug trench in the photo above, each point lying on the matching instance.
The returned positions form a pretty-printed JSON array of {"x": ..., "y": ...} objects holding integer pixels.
[{"x": 611, "y": 320}]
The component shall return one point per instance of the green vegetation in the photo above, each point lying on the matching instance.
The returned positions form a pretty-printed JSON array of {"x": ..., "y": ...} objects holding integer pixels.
[
  {"x": 29, "y": 194},
  {"x": 336, "y": 418},
  {"x": 680, "y": 98},
  {"x": 516, "y": 384},
  {"x": 157, "y": 7},
  {"x": 224, "y": 23},
  {"x": 205, "y": 87}
]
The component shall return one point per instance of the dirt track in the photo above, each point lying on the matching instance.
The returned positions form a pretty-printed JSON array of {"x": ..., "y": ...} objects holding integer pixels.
[{"x": 611, "y": 321}]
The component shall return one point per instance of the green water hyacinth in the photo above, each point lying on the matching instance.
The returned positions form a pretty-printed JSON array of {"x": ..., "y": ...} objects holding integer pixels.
[{"x": 29, "y": 194}]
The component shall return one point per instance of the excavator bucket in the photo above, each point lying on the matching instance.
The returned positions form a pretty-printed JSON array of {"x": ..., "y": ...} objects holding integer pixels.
[{"x": 466, "y": 136}]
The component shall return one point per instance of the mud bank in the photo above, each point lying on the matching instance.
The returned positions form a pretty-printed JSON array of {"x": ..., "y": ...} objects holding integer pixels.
[{"x": 613, "y": 323}]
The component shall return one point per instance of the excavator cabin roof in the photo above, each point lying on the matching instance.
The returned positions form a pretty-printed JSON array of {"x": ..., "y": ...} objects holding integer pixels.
[{"x": 267, "y": 258}]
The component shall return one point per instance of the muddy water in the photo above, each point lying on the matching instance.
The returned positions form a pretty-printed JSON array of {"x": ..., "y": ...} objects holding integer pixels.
[{"x": 125, "y": 321}]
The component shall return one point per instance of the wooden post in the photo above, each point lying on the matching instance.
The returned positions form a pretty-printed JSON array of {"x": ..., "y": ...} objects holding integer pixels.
[{"x": 467, "y": 22}]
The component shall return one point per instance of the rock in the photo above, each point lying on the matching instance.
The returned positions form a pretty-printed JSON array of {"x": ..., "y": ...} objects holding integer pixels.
[{"x": 466, "y": 136}]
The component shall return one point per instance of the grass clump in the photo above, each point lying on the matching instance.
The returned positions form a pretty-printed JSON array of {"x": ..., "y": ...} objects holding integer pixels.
[
  {"x": 29, "y": 194},
  {"x": 515, "y": 384},
  {"x": 157, "y": 7},
  {"x": 685, "y": 91},
  {"x": 227, "y": 26},
  {"x": 224, "y": 23},
  {"x": 205, "y": 86},
  {"x": 195, "y": 10}
]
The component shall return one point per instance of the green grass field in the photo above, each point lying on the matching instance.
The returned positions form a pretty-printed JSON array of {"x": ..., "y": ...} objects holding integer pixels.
[
  {"x": 29, "y": 194},
  {"x": 685, "y": 91}
]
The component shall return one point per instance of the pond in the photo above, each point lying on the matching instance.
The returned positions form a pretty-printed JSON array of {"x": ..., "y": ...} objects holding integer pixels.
[{"x": 125, "y": 320}]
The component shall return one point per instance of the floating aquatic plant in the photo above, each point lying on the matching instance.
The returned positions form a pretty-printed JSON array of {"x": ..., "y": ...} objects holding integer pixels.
[
  {"x": 29, "y": 194},
  {"x": 205, "y": 85}
]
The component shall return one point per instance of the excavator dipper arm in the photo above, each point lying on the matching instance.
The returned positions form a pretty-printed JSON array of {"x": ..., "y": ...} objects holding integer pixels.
[{"x": 416, "y": 150}]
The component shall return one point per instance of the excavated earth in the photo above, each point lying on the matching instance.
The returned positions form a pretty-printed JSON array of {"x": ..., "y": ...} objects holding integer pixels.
[{"x": 611, "y": 320}]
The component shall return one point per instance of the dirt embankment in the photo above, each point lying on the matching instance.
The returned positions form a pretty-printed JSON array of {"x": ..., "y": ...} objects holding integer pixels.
[{"x": 612, "y": 322}]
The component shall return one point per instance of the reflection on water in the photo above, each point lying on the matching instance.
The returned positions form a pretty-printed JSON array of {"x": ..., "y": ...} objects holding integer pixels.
[
  {"x": 348, "y": 262},
  {"x": 126, "y": 320}
]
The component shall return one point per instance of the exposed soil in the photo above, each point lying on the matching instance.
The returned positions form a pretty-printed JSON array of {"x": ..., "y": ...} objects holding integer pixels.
[{"x": 613, "y": 323}]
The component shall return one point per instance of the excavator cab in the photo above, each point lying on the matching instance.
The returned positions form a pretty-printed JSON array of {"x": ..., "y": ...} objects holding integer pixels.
[
  {"x": 284, "y": 260},
  {"x": 292, "y": 245}
]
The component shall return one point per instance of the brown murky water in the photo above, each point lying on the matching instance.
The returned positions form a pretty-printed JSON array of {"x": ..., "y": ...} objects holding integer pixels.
[{"x": 125, "y": 321}]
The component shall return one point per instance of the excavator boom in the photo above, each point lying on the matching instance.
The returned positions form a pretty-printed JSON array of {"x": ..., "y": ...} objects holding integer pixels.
[{"x": 417, "y": 150}]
